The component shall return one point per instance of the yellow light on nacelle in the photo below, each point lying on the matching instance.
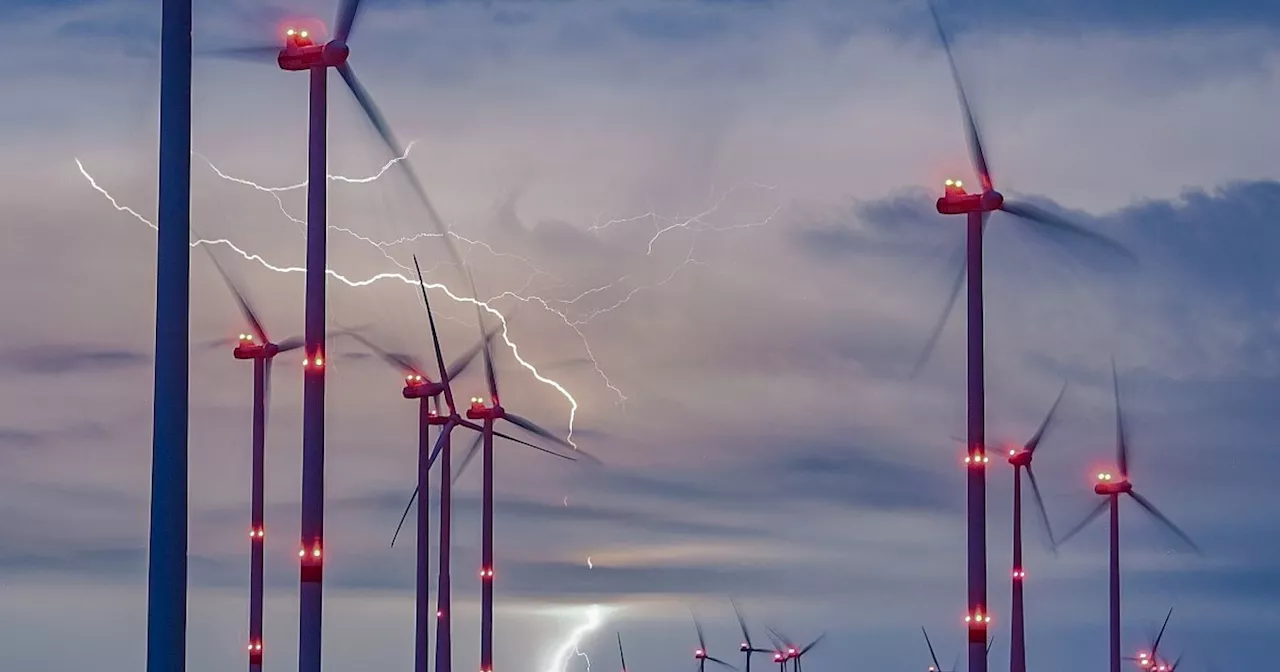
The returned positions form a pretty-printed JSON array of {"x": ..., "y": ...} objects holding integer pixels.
[
  {"x": 291, "y": 32},
  {"x": 959, "y": 183},
  {"x": 949, "y": 183},
  {"x": 302, "y": 34}
]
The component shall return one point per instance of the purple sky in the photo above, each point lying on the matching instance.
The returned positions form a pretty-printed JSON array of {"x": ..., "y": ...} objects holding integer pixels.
[{"x": 711, "y": 223}]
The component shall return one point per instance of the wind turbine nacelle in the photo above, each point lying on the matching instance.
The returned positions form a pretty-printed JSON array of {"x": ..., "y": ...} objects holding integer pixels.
[
  {"x": 956, "y": 202},
  {"x": 421, "y": 388},
  {"x": 297, "y": 56},
  {"x": 251, "y": 350},
  {"x": 1109, "y": 487},
  {"x": 1021, "y": 458}
]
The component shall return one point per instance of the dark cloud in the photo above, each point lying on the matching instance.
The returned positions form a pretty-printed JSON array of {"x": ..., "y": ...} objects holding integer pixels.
[{"x": 67, "y": 358}]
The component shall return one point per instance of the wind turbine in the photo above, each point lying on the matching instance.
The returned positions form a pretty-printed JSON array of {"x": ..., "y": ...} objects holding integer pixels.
[
  {"x": 1149, "y": 660},
  {"x": 489, "y": 415},
  {"x": 301, "y": 53},
  {"x": 795, "y": 652},
  {"x": 700, "y": 654},
  {"x": 419, "y": 386},
  {"x": 256, "y": 346},
  {"x": 1112, "y": 486},
  {"x": 1021, "y": 459},
  {"x": 746, "y": 647},
  {"x": 955, "y": 201}
]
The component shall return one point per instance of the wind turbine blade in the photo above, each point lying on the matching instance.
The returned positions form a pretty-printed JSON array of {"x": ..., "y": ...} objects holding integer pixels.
[
  {"x": 1176, "y": 661},
  {"x": 812, "y": 644},
  {"x": 1156, "y": 645},
  {"x": 345, "y": 20},
  {"x": 466, "y": 459},
  {"x": 721, "y": 663},
  {"x": 464, "y": 361},
  {"x": 444, "y": 434},
  {"x": 990, "y": 641},
  {"x": 397, "y": 360},
  {"x": 490, "y": 375},
  {"x": 263, "y": 53},
  {"x": 435, "y": 339},
  {"x": 1122, "y": 445},
  {"x": 955, "y": 664},
  {"x": 742, "y": 623},
  {"x": 938, "y": 328},
  {"x": 702, "y": 643},
  {"x": 405, "y": 515},
  {"x": 291, "y": 343},
  {"x": 936, "y": 665},
  {"x": 1048, "y": 420},
  {"x": 1097, "y": 511},
  {"x": 1044, "y": 515},
  {"x": 379, "y": 122},
  {"x": 533, "y": 446},
  {"x": 532, "y": 428},
  {"x": 1073, "y": 233},
  {"x": 622, "y": 656},
  {"x": 1151, "y": 509},
  {"x": 976, "y": 154},
  {"x": 245, "y": 308}
]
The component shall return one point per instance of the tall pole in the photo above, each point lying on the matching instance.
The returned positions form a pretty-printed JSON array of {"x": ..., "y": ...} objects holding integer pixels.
[
  {"x": 256, "y": 531},
  {"x": 1115, "y": 583},
  {"x": 1017, "y": 646},
  {"x": 310, "y": 594},
  {"x": 444, "y": 650},
  {"x": 977, "y": 480},
  {"x": 422, "y": 598},
  {"x": 486, "y": 553},
  {"x": 167, "y": 554}
]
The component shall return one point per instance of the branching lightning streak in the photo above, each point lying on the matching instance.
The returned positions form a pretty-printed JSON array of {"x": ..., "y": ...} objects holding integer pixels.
[
  {"x": 515, "y": 350},
  {"x": 569, "y": 647}
]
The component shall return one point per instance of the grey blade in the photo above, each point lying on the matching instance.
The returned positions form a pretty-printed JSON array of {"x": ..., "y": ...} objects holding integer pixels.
[
  {"x": 742, "y": 623},
  {"x": 1044, "y": 515},
  {"x": 622, "y": 655},
  {"x": 1097, "y": 511},
  {"x": 812, "y": 644},
  {"x": 412, "y": 497},
  {"x": 1122, "y": 443},
  {"x": 932, "y": 343},
  {"x": 396, "y": 360},
  {"x": 721, "y": 663},
  {"x": 1071, "y": 235},
  {"x": 1048, "y": 421},
  {"x": 936, "y": 665},
  {"x": 445, "y": 376},
  {"x": 291, "y": 343},
  {"x": 1151, "y": 509},
  {"x": 265, "y": 53},
  {"x": 245, "y": 308},
  {"x": 955, "y": 665},
  {"x": 383, "y": 129},
  {"x": 1156, "y": 646},
  {"x": 532, "y": 428},
  {"x": 467, "y": 458},
  {"x": 702, "y": 642},
  {"x": 990, "y": 641},
  {"x": 491, "y": 376},
  {"x": 976, "y": 154},
  {"x": 464, "y": 361},
  {"x": 500, "y": 435},
  {"x": 1176, "y": 661},
  {"x": 444, "y": 435},
  {"x": 346, "y": 19}
]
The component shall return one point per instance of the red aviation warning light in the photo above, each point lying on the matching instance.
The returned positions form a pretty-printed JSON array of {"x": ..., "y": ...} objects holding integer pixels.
[{"x": 312, "y": 562}]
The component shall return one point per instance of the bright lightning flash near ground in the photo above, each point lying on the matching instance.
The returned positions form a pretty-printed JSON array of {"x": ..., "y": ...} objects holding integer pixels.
[{"x": 568, "y": 649}]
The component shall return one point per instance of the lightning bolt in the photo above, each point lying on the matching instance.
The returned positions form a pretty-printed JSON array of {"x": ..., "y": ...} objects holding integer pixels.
[
  {"x": 696, "y": 223},
  {"x": 515, "y": 350},
  {"x": 568, "y": 649}
]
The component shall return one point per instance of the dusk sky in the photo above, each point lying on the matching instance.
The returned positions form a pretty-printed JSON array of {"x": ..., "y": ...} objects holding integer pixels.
[{"x": 712, "y": 225}]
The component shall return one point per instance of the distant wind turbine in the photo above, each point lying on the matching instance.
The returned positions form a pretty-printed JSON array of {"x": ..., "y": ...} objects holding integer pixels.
[
  {"x": 746, "y": 647},
  {"x": 256, "y": 346},
  {"x": 1112, "y": 487},
  {"x": 701, "y": 654}
]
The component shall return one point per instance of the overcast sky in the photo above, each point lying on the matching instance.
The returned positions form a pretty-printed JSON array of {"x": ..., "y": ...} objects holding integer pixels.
[{"x": 711, "y": 223}]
